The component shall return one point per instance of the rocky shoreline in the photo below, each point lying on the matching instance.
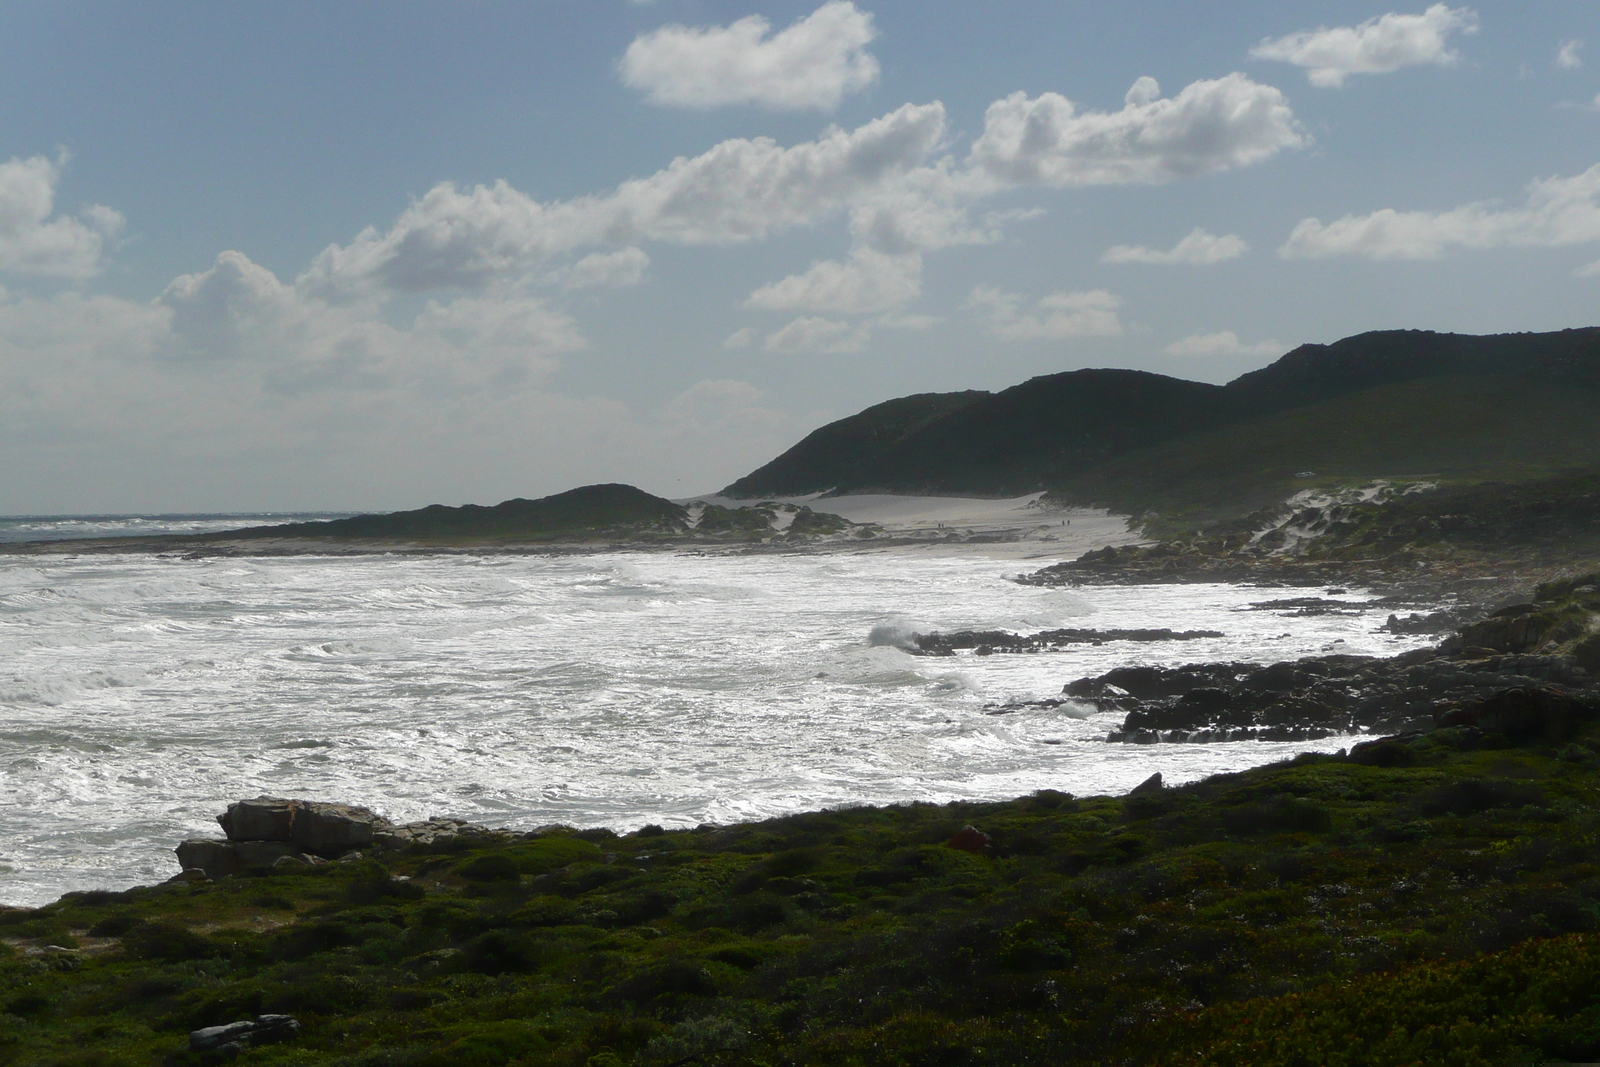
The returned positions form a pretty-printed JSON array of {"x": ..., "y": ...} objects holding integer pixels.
[
  {"x": 1538, "y": 660},
  {"x": 274, "y": 833}
]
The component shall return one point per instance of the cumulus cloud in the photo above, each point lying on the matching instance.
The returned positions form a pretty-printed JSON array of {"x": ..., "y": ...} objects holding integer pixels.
[
  {"x": 1567, "y": 57},
  {"x": 1209, "y": 126},
  {"x": 717, "y": 405},
  {"x": 1377, "y": 46},
  {"x": 868, "y": 282},
  {"x": 31, "y": 242},
  {"x": 1057, "y": 316},
  {"x": 608, "y": 270},
  {"x": 1198, "y": 249},
  {"x": 1557, "y": 212},
  {"x": 813, "y": 64},
  {"x": 815, "y": 334},
  {"x": 1222, "y": 344},
  {"x": 740, "y": 190},
  {"x": 899, "y": 200},
  {"x": 239, "y": 312}
]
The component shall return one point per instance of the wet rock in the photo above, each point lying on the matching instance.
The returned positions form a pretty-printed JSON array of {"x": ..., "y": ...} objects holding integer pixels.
[
  {"x": 1319, "y": 696},
  {"x": 989, "y": 642}
]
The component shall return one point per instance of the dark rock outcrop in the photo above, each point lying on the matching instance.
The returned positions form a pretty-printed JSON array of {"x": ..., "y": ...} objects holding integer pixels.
[
  {"x": 275, "y": 832},
  {"x": 1325, "y": 695},
  {"x": 987, "y": 642},
  {"x": 326, "y": 830},
  {"x": 227, "y": 1042}
]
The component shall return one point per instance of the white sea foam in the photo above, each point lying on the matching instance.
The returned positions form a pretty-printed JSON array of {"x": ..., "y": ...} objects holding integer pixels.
[{"x": 139, "y": 695}]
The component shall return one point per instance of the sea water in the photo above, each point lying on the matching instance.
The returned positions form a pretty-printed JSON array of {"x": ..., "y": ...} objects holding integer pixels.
[{"x": 140, "y": 694}]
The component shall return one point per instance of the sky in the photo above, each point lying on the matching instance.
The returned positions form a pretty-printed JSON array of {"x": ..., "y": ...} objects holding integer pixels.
[{"x": 376, "y": 255}]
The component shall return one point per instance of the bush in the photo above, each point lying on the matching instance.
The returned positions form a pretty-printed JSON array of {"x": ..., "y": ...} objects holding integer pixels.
[
  {"x": 502, "y": 952},
  {"x": 168, "y": 942},
  {"x": 1283, "y": 814},
  {"x": 494, "y": 867}
]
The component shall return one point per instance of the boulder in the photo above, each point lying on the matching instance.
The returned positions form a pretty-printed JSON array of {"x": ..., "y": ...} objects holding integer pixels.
[
  {"x": 1152, "y": 784},
  {"x": 437, "y": 834},
  {"x": 234, "y": 1038},
  {"x": 318, "y": 828},
  {"x": 220, "y": 859},
  {"x": 261, "y": 819},
  {"x": 1545, "y": 713}
]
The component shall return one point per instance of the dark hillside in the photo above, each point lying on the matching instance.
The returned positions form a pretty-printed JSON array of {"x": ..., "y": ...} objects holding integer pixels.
[
  {"x": 589, "y": 509},
  {"x": 1319, "y": 372},
  {"x": 1014, "y": 440},
  {"x": 1448, "y": 430},
  {"x": 1070, "y": 429},
  {"x": 1020, "y": 439},
  {"x": 845, "y": 452}
]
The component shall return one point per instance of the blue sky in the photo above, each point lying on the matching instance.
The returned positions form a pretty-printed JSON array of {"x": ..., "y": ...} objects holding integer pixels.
[{"x": 376, "y": 255}]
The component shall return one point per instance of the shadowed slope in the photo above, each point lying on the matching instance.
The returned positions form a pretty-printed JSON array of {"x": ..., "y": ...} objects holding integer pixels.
[
  {"x": 590, "y": 509},
  {"x": 1474, "y": 407}
]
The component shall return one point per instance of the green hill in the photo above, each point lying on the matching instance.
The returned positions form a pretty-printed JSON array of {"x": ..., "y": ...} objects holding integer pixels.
[
  {"x": 845, "y": 452},
  {"x": 1444, "y": 430},
  {"x": 586, "y": 511},
  {"x": 1400, "y": 403}
]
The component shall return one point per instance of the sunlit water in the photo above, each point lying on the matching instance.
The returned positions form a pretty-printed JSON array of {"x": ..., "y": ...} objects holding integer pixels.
[{"x": 140, "y": 694}]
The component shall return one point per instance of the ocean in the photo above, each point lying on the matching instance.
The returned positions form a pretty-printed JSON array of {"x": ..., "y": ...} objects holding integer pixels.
[{"x": 140, "y": 694}]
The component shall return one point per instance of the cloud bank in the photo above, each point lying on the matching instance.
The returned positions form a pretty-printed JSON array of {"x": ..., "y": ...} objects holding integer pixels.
[
  {"x": 31, "y": 242},
  {"x": 1377, "y": 46},
  {"x": 1056, "y": 317},
  {"x": 1222, "y": 344},
  {"x": 1209, "y": 126},
  {"x": 1557, "y": 212},
  {"x": 813, "y": 64},
  {"x": 1198, "y": 249}
]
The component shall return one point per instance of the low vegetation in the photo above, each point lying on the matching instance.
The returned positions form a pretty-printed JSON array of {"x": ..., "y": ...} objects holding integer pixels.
[{"x": 1434, "y": 898}]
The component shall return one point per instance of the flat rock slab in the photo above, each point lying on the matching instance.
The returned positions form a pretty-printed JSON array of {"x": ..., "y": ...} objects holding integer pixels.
[{"x": 311, "y": 826}]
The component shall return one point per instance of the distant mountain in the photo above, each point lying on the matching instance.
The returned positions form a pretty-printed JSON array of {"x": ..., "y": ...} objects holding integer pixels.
[
  {"x": 1401, "y": 402},
  {"x": 589, "y": 510}
]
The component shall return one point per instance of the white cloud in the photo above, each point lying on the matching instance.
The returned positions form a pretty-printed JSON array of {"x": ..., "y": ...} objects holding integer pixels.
[
  {"x": 1377, "y": 46},
  {"x": 718, "y": 405},
  {"x": 239, "y": 312},
  {"x": 1567, "y": 57},
  {"x": 814, "y": 334},
  {"x": 868, "y": 282},
  {"x": 1057, "y": 316},
  {"x": 740, "y": 190},
  {"x": 1209, "y": 126},
  {"x": 1225, "y": 343},
  {"x": 609, "y": 270},
  {"x": 899, "y": 201},
  {"x": 1199, "y": 249},
  {"x": 908, "y": 322},
  {"x": 814, "y": 64},
  {"x": 740, "y": 338},
  {"x": 31, "y": 242},
  {"x": 1557, "y": 212}
]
